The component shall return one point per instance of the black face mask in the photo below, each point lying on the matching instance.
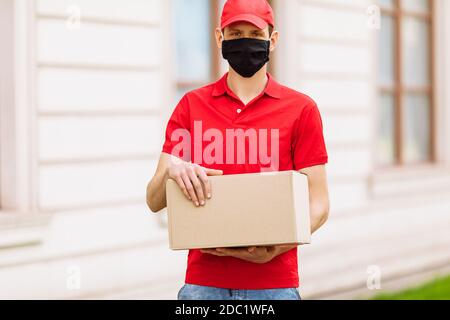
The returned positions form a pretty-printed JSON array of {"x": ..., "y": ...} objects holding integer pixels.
[{"x": 246, "y": 56}]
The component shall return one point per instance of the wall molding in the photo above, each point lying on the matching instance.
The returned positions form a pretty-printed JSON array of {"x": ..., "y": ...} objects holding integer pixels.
[
  {"x": 22, "y": 224},
  {"x": 17, "y": 183},
  {"x": 442, "y": 75},
  {"x": 102, "y": 21},
  {"x": 21, "y": 230}
]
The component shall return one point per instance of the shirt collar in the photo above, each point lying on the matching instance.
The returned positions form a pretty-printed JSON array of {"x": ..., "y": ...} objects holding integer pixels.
[{"x": 272, "y": 89}]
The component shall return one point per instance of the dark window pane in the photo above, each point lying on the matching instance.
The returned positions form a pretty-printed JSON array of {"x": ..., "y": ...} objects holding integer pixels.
[
  {"x": 386, "y": 52},
  {"x": 193, "y": 32},
  {"x": 388, "y": 4},
  {"x": 386, "y": 131},
  {"x": 417, "y": 132},
  {"x": 416, "y": 49},
  {"x": 421, "y": 6}
]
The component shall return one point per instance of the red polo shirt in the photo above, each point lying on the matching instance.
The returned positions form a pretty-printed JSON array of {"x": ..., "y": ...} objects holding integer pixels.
[{"x": 293, "y": 119}]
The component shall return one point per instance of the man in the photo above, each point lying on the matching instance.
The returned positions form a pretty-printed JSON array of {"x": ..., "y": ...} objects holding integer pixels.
[{"x": 247, "y": 97}]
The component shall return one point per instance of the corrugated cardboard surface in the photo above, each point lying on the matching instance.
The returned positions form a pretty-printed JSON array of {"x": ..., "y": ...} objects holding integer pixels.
[{"x": 245, "y": 210}]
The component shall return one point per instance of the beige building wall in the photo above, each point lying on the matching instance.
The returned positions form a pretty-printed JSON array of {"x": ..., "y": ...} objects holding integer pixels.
[{"x": 98, "y": 87}]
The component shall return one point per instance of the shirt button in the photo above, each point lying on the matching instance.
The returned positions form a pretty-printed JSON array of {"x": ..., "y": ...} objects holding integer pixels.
[{"x": 239, "y": 111}]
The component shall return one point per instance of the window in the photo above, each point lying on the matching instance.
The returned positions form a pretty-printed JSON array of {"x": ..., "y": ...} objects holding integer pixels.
[
  {"x": 405, "y": 79},
  {"x": 197, "y": 57}
]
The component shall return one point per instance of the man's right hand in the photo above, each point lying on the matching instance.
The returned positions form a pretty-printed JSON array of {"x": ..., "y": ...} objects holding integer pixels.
[{"x": 192, "y": 179}]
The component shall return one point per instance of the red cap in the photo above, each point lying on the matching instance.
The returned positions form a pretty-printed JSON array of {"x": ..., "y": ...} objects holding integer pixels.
[{"x": 256, "y": 12}]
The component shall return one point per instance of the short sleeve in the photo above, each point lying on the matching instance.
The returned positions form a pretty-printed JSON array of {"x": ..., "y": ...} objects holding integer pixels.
[
  {"x": 178, "y": 127},
  {"x": 308, "y": 145}
]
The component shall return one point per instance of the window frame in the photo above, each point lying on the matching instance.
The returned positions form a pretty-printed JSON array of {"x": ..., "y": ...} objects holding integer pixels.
[
  {"x": 399, "y": 90},
  {"x": 214, "y": 17}
]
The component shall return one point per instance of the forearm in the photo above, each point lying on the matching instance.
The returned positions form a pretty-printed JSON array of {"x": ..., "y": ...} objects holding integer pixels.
[
  {"x": 319, "y": 204},
  {"x": 319, "y": 214},
  {"x": 156, "y": 192},
  {"x": 156, "y": 189}
]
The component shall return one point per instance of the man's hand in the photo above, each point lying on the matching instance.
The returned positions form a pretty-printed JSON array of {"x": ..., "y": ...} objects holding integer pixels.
[
  {"x": 258, "y": 255},
  {"x": 192, "y": 179}
]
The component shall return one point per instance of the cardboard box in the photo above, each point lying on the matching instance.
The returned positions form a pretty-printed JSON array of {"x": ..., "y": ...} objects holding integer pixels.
[{"x": 245, "y": 210}]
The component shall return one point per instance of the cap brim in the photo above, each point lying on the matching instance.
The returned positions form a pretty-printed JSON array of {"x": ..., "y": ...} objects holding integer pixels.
[{"x": 255, "y": 20}]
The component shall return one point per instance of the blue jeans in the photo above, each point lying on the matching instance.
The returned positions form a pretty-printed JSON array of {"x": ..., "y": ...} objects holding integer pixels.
[{"x": 195, "y": 292}]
